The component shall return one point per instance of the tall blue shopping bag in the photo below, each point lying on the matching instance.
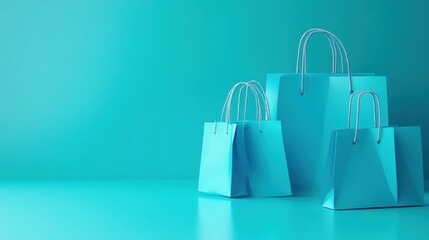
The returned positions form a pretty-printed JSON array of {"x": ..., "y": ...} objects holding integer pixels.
[
  {"x": 310, "y": 106},
  {"x": 370, "y": 167}
]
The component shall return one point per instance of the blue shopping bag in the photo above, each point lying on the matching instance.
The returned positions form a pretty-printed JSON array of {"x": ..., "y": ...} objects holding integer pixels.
[
  {"x": 268, "y": 173},
  {"x": 223, "y": 167},
  {"x": 373, "y": 167},
  {"x": 251, "y": 160},
  {"x": 311, "y": 105}
]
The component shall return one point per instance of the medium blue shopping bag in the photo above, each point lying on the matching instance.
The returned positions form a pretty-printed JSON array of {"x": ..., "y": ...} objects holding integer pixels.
[
  {"x": 268, "y": 173},
  {"x": 373, "y": 167},
  {"x": 310, "y": 106}
]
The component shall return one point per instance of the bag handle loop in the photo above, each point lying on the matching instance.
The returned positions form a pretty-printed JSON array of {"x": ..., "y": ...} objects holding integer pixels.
[
  {"x": 304, "y": 57},
  {"x": 226, "y": 110},
  {"x": 260, "y": 89},
  {"x": 377, "y": 111},
  {"x": 334, "y": 47}
]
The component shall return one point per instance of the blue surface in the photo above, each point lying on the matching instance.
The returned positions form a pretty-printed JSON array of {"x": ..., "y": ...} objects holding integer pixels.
[{"x": 174, "y": 210}]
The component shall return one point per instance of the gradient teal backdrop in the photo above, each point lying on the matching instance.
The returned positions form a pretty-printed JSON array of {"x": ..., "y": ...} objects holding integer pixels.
[{"x": 121, "y": 89}]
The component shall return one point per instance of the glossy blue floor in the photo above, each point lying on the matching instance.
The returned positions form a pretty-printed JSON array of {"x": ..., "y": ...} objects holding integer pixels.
[{"x": 174, "y": 210}]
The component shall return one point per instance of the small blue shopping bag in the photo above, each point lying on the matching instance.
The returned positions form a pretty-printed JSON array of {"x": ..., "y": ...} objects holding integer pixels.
[
  {"x": 247, "y": 157},
  {"x": 223, "y": 167}
]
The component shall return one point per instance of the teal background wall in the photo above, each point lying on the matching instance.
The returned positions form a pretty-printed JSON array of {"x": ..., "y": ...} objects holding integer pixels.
[{"x": 120, "y": 89}]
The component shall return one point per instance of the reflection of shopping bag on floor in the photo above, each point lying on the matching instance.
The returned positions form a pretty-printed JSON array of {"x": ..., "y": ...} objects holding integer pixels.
[
  {"x": 370, "y": 167},
  {"x": 310, "y": 106}
]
